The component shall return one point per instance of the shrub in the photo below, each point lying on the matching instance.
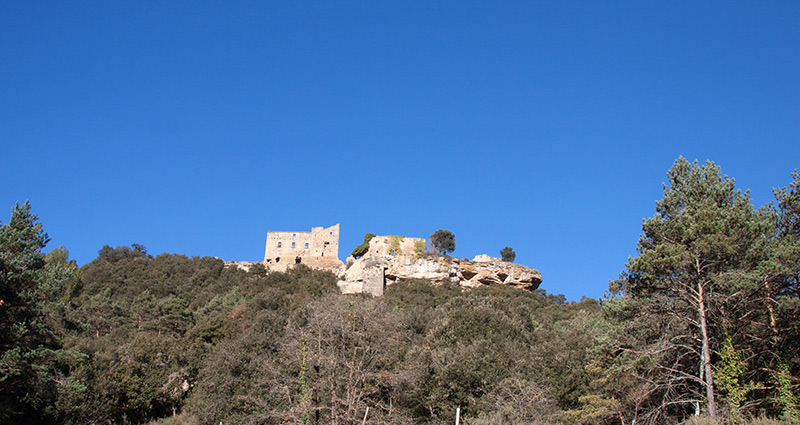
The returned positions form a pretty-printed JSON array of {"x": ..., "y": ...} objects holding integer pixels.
[
  {"x": 394, "y": 245},
  {"x": 362, "y": 249},
  {"x": 419, "y": 248}
]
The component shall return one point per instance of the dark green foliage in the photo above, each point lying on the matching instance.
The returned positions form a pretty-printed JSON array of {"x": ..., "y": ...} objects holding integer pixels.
[
  {"x": 789, "y": 207},
  {"x": 508, "y": 254},
  {"x": 362, "y": 249},
  {"x": 32, "y": 360},
  {"x": 443, "y": 241},
  {"x": 258, "y": 269},
  {"x": 109, "y": 254}
]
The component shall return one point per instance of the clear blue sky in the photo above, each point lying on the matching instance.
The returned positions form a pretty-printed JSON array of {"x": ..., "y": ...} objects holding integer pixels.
[{"x": 194, "y": 127}]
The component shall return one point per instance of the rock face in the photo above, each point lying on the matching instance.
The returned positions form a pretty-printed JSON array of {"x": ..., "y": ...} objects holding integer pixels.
[{"x": 371, "y": 274}]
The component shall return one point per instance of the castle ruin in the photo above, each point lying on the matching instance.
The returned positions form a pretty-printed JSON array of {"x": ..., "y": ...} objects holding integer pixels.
[
  {"x": 318, "y": 248},
  {"x": 388, "y": 260},
  {"x": 395, "y": 245}
]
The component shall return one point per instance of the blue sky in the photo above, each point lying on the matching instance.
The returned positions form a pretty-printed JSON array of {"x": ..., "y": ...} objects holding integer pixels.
[{"x": 196, "y": 127}]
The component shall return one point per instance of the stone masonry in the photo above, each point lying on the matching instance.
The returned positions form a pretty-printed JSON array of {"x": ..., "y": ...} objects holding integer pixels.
[
  {"x": 317, "y": 248},
  {"x": 404, "y": 246}
]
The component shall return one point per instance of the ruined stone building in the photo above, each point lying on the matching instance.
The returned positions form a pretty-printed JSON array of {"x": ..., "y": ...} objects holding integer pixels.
[
  {"x": 317, "y": 248},
  {"x": 395, "y": 245},
  {"x": 388, "y": 260},
  {"x": 367, "y": 275}
]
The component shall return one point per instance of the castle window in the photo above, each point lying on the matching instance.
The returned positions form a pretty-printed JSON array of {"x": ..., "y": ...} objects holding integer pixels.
[
  {"x": 279, "y": 244},
  {"x": 277, "y": 259},
  {"x": 297, "y": 260},
  {"x": 294, "y": 234},
  {"x": 292, "y": 244},
  {"x": 306, "y": 245}
]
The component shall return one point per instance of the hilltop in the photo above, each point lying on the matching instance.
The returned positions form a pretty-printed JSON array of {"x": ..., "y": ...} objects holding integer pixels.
[{"x": 386, "y": 260}]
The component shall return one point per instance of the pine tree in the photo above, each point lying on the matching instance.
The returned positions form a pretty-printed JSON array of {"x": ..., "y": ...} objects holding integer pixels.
[
  {"x": 508, "y": 254},
  {"x": 29, "y": 347},
  {"x": 703, "y": 230}
]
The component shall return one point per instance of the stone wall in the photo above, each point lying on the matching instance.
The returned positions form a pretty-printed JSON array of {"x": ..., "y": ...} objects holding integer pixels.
[
  {"x": 374, "y": 281},
  {"x": 394, "y": 245},
  {"x": 317, "y": 248}
]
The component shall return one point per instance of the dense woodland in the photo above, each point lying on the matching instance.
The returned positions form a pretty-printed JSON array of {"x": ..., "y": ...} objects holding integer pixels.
[{"x": 701, "y": 327}]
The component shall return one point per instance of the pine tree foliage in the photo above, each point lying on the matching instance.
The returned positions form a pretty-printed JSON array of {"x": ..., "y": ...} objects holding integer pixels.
[
  {"x": 31, "y": 355},
  {"x": 703, "y": 230}
]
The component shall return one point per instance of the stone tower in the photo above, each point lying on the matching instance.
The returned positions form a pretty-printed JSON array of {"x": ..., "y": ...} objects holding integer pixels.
[{"x": 317, "y": 248}]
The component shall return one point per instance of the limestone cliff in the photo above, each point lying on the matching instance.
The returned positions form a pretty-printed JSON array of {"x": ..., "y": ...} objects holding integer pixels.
[{"x": 371, "y": 274}]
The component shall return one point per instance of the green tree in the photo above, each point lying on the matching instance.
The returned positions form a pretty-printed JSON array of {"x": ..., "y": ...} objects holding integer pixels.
[
  {"x": 173, "y": 316},
  {"x": 702, "y": 231},
  {"x": 443, "y": 241},
  {"x": 508, "y": 254},
  {"x": 30, "y": 349},
  {"x": 760, "y": 315},
  {"x": 101, "y": 314},
  {"x": 789, "y": 206},
  {"x": 780, "y": 274},
  {"x": 258, "y": 269}
]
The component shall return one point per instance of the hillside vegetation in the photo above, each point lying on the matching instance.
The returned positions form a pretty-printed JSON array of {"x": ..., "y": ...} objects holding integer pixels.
[{"x": 702, "y": 326}]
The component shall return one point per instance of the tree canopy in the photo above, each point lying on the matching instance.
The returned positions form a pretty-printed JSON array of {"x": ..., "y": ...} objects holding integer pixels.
[
  {"x": 31, "y": 355},
  {"x": 698, "y": 284},
  {"x": 443, "y": 241},
  {"x": 508, "y": 255}
]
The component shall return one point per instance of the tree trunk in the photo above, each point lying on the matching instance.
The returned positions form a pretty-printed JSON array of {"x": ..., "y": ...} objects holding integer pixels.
[
  {"x": 772, "y": 323},
  {"x": 699, "y": 375},
  {"x": 706, "y": 353}
]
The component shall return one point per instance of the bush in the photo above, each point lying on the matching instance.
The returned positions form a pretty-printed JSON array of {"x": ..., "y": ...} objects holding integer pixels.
[
  {"x": 419, "y": 248},
  {"x": 362, "y": 249},
  {"x": 258, "y": 269}
]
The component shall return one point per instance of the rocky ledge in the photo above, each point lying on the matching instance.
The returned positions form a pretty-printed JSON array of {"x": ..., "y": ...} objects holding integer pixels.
[{"x": 372, "y": 274}]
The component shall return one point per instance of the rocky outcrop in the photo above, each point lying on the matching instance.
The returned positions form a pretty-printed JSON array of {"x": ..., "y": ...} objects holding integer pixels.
[{"x": 371, "y": 274}]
